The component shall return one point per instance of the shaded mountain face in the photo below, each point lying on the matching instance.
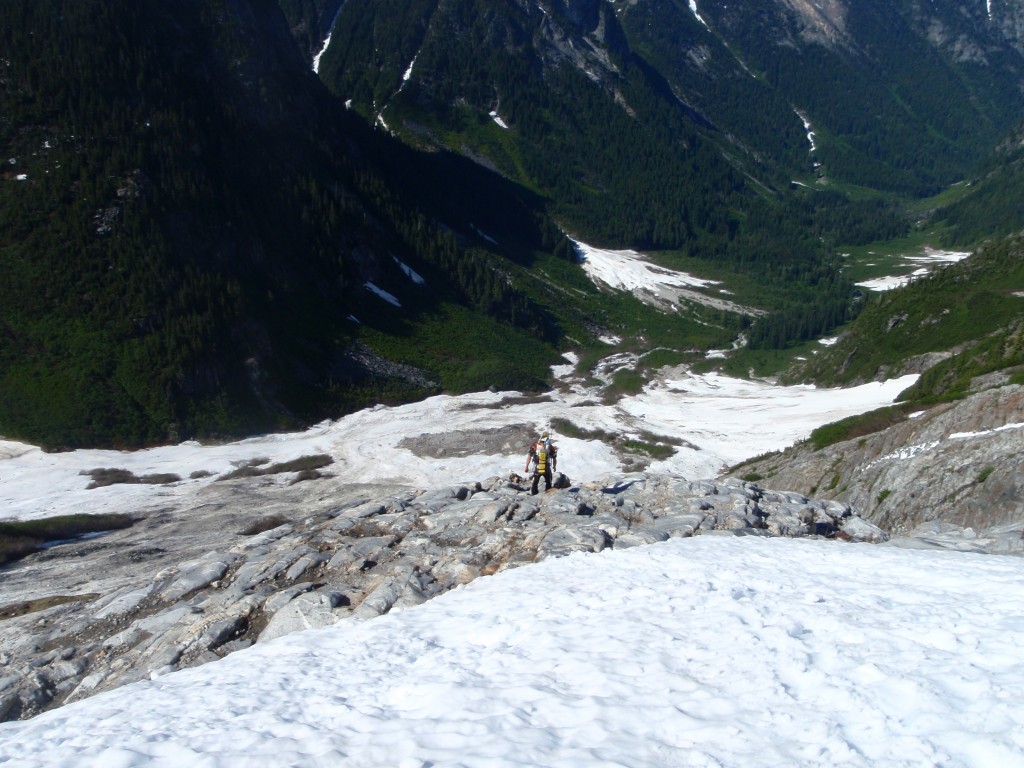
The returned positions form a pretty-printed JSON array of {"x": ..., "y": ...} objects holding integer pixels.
[
  {"x": 187, "y": 223},
  {"x": 310, "y": 22},
  {"x": 900, "y": 96}
]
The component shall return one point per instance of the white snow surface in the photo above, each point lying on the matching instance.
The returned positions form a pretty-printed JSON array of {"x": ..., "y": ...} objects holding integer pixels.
[
  {"x": 929, "y": 260},
  {"x": 409, "y": 272},
  {"x": 630, "y": 271},
  {"x": 497, "y": 118},
  {"x": 723, "y": 421},
  {"x": 696, "y": 13},
  {"x": 712, "y": 651},
  {"x": 380, "y": 292},
  {"x": 667, "y": 289}
]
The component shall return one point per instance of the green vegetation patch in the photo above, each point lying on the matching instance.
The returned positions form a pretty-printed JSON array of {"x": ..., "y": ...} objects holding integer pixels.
[
  {"x": 658, "y": 447},
  {"x": 305, "y": 466},
  {"x": 19, "y": 538},
  {"x": 974, "y": 307},
  {"x": 107, "y": 476},
  {"x": 860, "y": 425}
]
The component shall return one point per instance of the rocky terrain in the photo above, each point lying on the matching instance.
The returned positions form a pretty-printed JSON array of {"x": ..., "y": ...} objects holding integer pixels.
[
  {"x": 254, "y": 558},
  {"x": 252, "y": 555},
  {"x": 956, "y": 465}
]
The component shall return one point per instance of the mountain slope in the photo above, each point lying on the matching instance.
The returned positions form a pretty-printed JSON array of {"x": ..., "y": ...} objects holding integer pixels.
[
  {"x": 990, "y": 209},
  {"x": 188, "y": 221},
  {"x": 567, "y": 88},
  {"x": 829, "y": 632},
  {"x": 971, "y": 312},
  {"x": 953, "y": 464},
  {"x": 899, "y": 96}
]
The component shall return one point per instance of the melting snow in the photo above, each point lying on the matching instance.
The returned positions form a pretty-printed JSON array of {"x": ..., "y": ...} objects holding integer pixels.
[
  {"x": 722, "y": 420},
  {"x": 383, "y": 294},
  {"x": 693, "y": 10},
  {"x": 410, "y": 272},
  {"x": 930, "y": 259},
  {"x": 629, "y": 270}
]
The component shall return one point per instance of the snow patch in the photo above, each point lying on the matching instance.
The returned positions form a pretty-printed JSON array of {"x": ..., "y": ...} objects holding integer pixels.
[
  {"x": 390, "y": 299},
  {"x": 497, "y": 118},
  {"x": 910, "y": 451},
  {"x": 483, "y": 235},
  {"x": 696, "y": 14},
  {"x": 930, "y": 258},
  {"x": 563, "y": 372},
  {"x": 725, "y": 421},
  {"x": 410, "y": 272},
  {"x": 631, "y": 271}
]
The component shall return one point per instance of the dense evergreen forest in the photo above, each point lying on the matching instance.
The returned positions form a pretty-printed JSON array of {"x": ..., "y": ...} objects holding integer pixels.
[
  {"x": 992, "y": 206},
  {"x": 182, "y": 256}
]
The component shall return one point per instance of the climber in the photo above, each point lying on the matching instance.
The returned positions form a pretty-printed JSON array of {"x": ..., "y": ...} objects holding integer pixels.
[{"x": 544, "y": 456}]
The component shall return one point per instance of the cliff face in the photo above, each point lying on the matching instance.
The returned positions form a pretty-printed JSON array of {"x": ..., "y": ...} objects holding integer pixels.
[{"x": 956, "y": 463}]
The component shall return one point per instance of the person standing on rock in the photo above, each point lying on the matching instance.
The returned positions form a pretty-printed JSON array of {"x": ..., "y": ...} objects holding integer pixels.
[{"x": 544, "y": 456}]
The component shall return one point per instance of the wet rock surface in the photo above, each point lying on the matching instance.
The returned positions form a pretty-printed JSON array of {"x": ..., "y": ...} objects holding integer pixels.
[{"x": 255, "y": 558}]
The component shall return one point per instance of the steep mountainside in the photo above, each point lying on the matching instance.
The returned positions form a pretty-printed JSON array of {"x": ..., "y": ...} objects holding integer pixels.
[
  {"x": 956, "y": 464},
  {"x": 188, "y": 222},
  {"x": 948, "y": 452},
  {"x": 991, "y": 208},
  {"x": 960, "y": 322},
  {"x": 900, "y": 96},
  {"x": 587, "y": 127},
  {"x": 665, "y": 125}
]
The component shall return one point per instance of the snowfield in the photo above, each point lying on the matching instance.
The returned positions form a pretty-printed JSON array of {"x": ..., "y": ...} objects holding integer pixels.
[
  {"x": 713, "y": 651},
  {"x": 666, "y": 289},
  {"x": 722, "y": 421},
  {"x": 928, "y": 260}
]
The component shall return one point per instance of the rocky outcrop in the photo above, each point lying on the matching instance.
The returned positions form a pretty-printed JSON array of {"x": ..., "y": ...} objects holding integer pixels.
[
  {"x": 957, "y": 464},
  {"x": 252, "y": 559}
]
